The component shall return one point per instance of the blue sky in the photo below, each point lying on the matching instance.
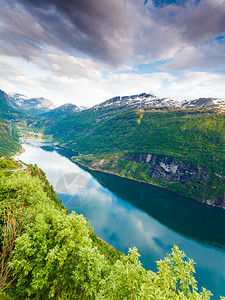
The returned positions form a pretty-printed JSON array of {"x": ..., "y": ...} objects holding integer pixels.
[{"x": 86, "y": 51}]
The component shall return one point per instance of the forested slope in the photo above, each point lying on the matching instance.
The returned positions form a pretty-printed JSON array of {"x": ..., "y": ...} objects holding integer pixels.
[
  {"x": 9, "y": 140},
  {"x": 178, "y": 149},
  {"x": 47, "y": 253}
]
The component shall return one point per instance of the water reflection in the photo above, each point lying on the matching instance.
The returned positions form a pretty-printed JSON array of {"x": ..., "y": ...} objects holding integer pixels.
[
  {"x": 194, "y": 219},
  {"x": 127, "y": 214}
]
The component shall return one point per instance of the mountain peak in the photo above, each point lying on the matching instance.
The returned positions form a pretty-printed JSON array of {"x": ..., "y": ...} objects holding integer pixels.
[
  {"x": 61, "y": 111},
  {"x": 32, "y": 106},
  {"x": 145, "y": 100},
  {"x": 202, "y": 103}
]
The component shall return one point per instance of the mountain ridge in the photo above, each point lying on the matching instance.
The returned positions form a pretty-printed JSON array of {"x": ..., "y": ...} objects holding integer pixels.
[
  {"x": 119, "y": 131},
  {"x": 136, "y": 101},
  {"x": 33, "y": 106},
  {"x": 111, "y": 138},
  {"x": 145, "y": 100},
  {"x": 63, "y": 110}
]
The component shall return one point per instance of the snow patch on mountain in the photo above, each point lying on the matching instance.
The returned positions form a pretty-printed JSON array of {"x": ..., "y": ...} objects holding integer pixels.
[
  {"x": 151, "y": 101},
  {"x": 31, "y": 103},
  {"x": 202, "y": 103},
  {"x": 135, "y": 101}
]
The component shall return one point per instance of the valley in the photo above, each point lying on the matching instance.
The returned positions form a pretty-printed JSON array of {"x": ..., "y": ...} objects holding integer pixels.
[
  {"x": 112, "y": 150},
  {"x": 150, "y": 143},
  {"x": 49, "y": 238},
  {"x": 120, "y": 142},
  {"x": 175, "y": 145}
]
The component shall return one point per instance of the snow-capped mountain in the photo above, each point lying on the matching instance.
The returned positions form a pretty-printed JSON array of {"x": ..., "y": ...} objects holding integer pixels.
[
  {"x": 34, "y": 105},
  {"x": 7, "y": 111},
  {"x": 202, "y": 103},
  {"x": 62, "y": 110},
  {"x": 151, "y": 101},
  {"x": 139, "y": 101}
]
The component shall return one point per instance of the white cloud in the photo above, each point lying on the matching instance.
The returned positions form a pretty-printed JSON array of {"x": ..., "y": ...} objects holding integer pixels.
[
  {"x": 62, "y": 64},
  {"x": 210, "y": 56},
  {"x": 13, "y": 77},
  {"x": 33, "y": 81},
  {"x": 89, "y": 92},
  {"x": 193, "y": 85},
  {"x": 129, "y": 83},
  {"x": 118, "y": 34}
]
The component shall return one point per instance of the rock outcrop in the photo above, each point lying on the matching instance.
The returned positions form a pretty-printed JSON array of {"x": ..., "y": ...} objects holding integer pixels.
[
  {"x": 166, "y": 170},
  {"x": 170, "y": 170}
]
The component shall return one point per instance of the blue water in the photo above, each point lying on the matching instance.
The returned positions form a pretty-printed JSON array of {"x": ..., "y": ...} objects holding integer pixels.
[{"x": 127, "y": 214}]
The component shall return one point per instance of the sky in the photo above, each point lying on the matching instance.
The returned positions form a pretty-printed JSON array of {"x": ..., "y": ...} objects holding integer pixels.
[{"x": 87, "y": 51}]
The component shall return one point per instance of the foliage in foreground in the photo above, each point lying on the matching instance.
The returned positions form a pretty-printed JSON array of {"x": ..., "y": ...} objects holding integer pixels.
[{"x": 54, "y": 255}]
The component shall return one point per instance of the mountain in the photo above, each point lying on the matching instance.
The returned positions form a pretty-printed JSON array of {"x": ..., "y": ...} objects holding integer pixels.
[
  {"x": 30, "y": 106},
  {"x": 9, "y": 140},
  {"x": 151, "y": 101},
  {"x": 7, "y": 111},
  {"x": 176, "y": 145},
  {"x": 61, "y": 111},
  {"x": 204, "y": 103},
  {"x": 138, "y": 101}
]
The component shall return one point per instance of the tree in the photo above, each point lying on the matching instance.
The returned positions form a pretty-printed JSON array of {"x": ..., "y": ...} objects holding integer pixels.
[
  {"x": 48, "y": 253},
  {"x": 10, "y": 230}
]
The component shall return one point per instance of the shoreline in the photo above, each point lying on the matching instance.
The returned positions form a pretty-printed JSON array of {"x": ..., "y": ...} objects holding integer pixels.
[
  {"x": 54, "y": 144},
  {"x": 18, "y": 153},
  {"x": 205, "y": 202},
  {"x": 108, "y": 172}
]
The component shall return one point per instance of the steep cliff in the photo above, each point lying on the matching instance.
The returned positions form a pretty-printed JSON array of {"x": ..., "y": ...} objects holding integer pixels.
[
  {"x": 176, "y": 175},
  {"x": 9, "y": 141}
]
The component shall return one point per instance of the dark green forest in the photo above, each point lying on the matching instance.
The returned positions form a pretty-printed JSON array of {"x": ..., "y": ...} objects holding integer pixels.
[{"x": 47, "y": 253}]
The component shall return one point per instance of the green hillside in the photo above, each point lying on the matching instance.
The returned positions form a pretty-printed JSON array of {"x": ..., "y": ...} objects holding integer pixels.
[
  {"x": 188, "y": 136},
  {"x": 114, "y": 142},
  {"x": 10, "y": 120},
  {"x": 176, "y": 149},
  {"x": 47, "y": 253},
  {"x": 7, "y": 111},
  {"x": 9, "y": 140}
]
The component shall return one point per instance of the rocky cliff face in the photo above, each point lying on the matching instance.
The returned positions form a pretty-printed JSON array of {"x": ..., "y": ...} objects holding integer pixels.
[
  {"x": 167, "y": 170},
  {"x": 178, "y": 176}
]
